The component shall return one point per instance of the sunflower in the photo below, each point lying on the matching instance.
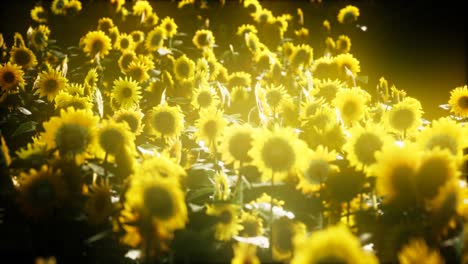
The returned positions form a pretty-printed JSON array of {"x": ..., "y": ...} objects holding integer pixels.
[
  {"x": 459, "y": 101},
  {"x": 161, "y": 166},
  {"x": 404, "y": 117},
  {"x": 158, "y": 198},
  {"x": 347, "y": 64},
  {"x": 327, "y": 89},
  {"x": 23, "y": 57},
  {"x": 138, "y": 36},
  {"x": 184, "y": 68},
  {"x": 142, "y": 7},
  {"x": 124, "y": 42},
  {"x": 203, "y": 38},
  {"x": 335, "y": 244},
  {"x": 395, "y": 170},
  {"x": 166, "y": 121},
  {"x": 236, "y": 143},
  {"x": 50, "y": 83},
  {"x": 41, "y": 192},
  {"x": 155, "y": 39},
  {"x": 125, "y": 59},
  {"x": 33, "y": 150},
  {"x": 315, "y": 115},
  {"x": 285, "y": 234},
  {"x": 222, "y": 192},
  {"x": 169, "y": 26},
  {"x": 98, "y": 206},
  {"x": 11, "y": 76},
  {"x": 245, "y": 29},
  {"x": 352, "y": 104},
  {"x": 227, "y": 224},
  {"x": 343, "y": 44},
  {"x": 263, "y": 16},
  {"x": 96, "y": 43},
  {"x": 253, "y": 42},
  {"x": 444, "y": 133},
  {"x": 39, "y": 37},
  {"x": 64, "y": 100},
  {"x": 302, "y": 33},
  {"x": 252, "y": 224},
  {"x": 241, "y": 79},
  {"x": 348, "y": 14},
  {"x": 302, "y": 56},
  {"x": 326, "y": 26},
  {"x": 277, "y": 152},
  {"x": 330, "y": 45},
  {"x": 210, "y": 126},
  {"x": 417, "y": 251},
  {"x": 364, "y": 143},
  {"x": 325, "y": 68},
  {"x": 58, "y": 7},
  {"x": 204, "y": 97},
  {"x": 318, "y": 169},
  {"x": 244, "y": 253},
  {"x": 73, "y": 7},
  {"x": 39, "y": 14},
  {"x": 114, "y": 138},
  {"x": 132, "y": 117},
  {"x": 138, "y": 71},
  {"x": 126, "y": 92},
  {"x": 438, "y": 167},
  {"x": 71, "y": 133}
]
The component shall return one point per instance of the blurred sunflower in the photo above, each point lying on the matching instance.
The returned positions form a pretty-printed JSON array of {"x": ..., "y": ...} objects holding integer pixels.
[
  {"x": 73, "y": 7},
  {"x": 318, "y": 117},
  {"x": 417, "y": 251},
  {"x": 327, "y": 89},
  {"x": 203, "y": 38},
  {"x": 126, "y": 92},
  {"x": 275, "y": 96},
  {"x": 404, "y": 117},
  {"x": 330, "y": 46},
  {"x": 138, "y": 36},
  {"x": 99, "y": 206},
  {"x": 318, "y": 169},
  {"x": 124, "y": 42},
  {"x": 114, "y": 138},
  {"x": 166, "y": 121},
  {"x": 204, "y": 97},
  {"x": 138, "y": 71},
  {"x": 23, "y": 57},
  {"x": 227, "y": 224},
  {"x": 263, "y": 16},
  {"x": 39, "y": 14},
  {"x": 132, "y": 117},
  {"x": 210, "y": 126},
  {"x": 252, "y": 224},
  {"x": 96, "y": 44},
  {"x": 161, "y": 166},
  {"x": 325, "y": 68},
  {"x": 169, "y": 26},
  {"x": 277, "y": 152},
  {"x": 343, "y": 44},
  {"x": 33, "y": 150},
  {"x": 335, "y": 244},
  {"x": 50, "y": 83},
  {"x": 11, "y": 76},
  {"x": 58, "y": 7},
  {"x": 245, "y": 29},
  {"x": 64, "y": 100},
  {"x": 75, "y": 89},
  {"x": 352, "y": 104},
  {"x": 347, "y": 64},
  {"x": 244, "y": 253},
  {"x": 444, "y": 133},
  {"x": 395, "y": 170},
  {"x": 236, "y": 143},
  {"x": 253, "y": 42},
  {"x": 105, "y": 24},
  {"x": 71, "y": 133},
  {"x": 222, "y": 192},
  {"x": 285, "y": 234},
  {"x": 348, "y": 14},
  {"x": 125, "y": 59},
  {"x": 142, "y": 7},
  {"x": 39, "y": 37},
  {"x": 41, "y": 192},
  {"x": 155, "y": 39},
  {"x": 184, "y": 68},
  {"x": 90, "y": 81},
  {"x": 241, "y": 79},
  {"x": 364, "y": 143},
  {"x": 459, "y": 101},
  {"x": 302, "y": 55}
]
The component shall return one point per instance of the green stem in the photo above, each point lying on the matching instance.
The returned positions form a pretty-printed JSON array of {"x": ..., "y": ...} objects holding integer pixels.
[{"x": 271, "y": 213}]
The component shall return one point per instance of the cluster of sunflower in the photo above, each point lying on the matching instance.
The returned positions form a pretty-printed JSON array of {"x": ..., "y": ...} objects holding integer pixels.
[{"x": 148, "y": 143}]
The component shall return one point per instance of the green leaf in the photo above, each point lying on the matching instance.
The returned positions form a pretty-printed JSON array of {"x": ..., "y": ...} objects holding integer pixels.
[
  {"x": 25, "y": 128},
  {"x": 24, "y": 110},
  {"x": 199, "y": 192}
]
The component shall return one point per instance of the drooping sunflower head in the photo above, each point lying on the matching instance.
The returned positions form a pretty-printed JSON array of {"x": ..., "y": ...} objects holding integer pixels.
[
  {"x": 132, "y": 117},
  {"x": 263, "y": 16},
  {"x": 73, "y": 7},
  {"x": 142, "y": 7},
  {"x": 444, "y": 133},
  {"x": 96, "y": 43},
  {"x": 343, "y": 44},
  {"x": 245, "y": 29},
  {"x": 351, "y": 104},
  {"x": 166, "y": 121},
  {"x": 155, "y": 39},
  {"x": 228, "y": 224},
  {"x": 417, "y": 251},
  {"x": 327, "y": 89},
  {"x": 50, "y": 83},
  {"x": 405, "y": 116},
  {"x": 105, "y": 24},
  {"x": 38, "y": 14},
  {"x": 459, "y": 101},
  {"x": 253, "y": 42},
  {"x": 210, "y": 126},
  {"x": 348, "y": 14},
  {"x": 285, "y": 234},
  {"x": 11, "y": 76},
  {"x": 236, "y": 143},
  {"x": 203, "y": 38},
  {"x": 124, "y": 42},
  {"x": 126, "y": 92},
  {"x": 114, "y": 138},
  {"x": 204, "y": 97},
  {"x": 302, "y": 55},
  {"x": 22, "y": 56},
  {"x": 184, "y": 68},
  {"x": 39, "y": 37},
  {"x": 169, "y": 26},
  {"x": 335, "y": 244},
  {"x": 364, "y": 143}
]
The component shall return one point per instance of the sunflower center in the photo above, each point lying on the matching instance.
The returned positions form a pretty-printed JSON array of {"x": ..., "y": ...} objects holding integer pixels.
[
  {"x": 97, "y": 46},
  {"x": 331, "y": 260},
  {"x": 402, "y": 119},
  {"x": 164, "y": 123},
  {"x": 283, "y": 238},
  {"x": 349, "y": 17},
  {"x": 203, "y": 40},
  {"x": 278, "y": 154},
  {"x": 137, "y": 37},
  {"x": 124, "y": 43},
  {"x": 156, "y": 40},
  {"x": 183, "y": 69},
  {"x": 225, "y": 217},
  {"x": 39, "y": 38},
  {"x": 204, "y": 99},
  {"x": 111, "y": 140},
  {"x": 400, "y": 180},
  {"x": 210, "y": 129},
  {"x": 22, "y": 57},
  {"x": 159, "y": 202},
  {"x": 132, "y": 121},
  {"x": 365, "y": 147},
  {"x": 51, "y": 85},
  {"x": 42, "y": 193},
  {"x": 8, "y": 77},
  {"x": 273, "y": 98},
  {"x": 251, "y": 228},
  {"x": 239, "y": 146},
  {"x": 432, "y": 174},
  {"x": 75, "y": 104},
  {"x": 71, "y": 138},
  {"x": 463, "y": 102},
  {"x": 127, "y": 92},
  {"x": 328, "y": 92},
  {"x": 317, "y": 171},
  {"x": 350, "y": 109},
  {"x": 137, "y": 73},
  {"x": 126, "y": 60},
  {"x": 444, "y": 142}
]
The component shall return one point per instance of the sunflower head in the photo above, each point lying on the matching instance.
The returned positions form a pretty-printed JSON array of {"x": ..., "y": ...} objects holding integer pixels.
[
  {"x": 184, "y": 68},
  {"x": 96, "y": 43},
  {"x": 417, "y": 251},
  {"x": 348, "y": 14},
  {"x": 166, "y": 121},
  {"x": 105, "y": 24},
  {"x": 325, "y": 68},
  {"x": 210, "y": 126},
  {"x": 343, "y": 44},
  {"x": 351, "y": 104},
  {"x": 58, "y": 7},
  {"x": 405, "y": 116},
  {"x": 132, "y": 117},
  {"x": 64, "y": 100},
  {"x": 38, "y": 14},
  {"x": 169, "y": 26},
  {"x": 114, "y": 138},
  {"x": 138, "y": 71},
  {"x": 301, "y": 56},
  {"x": 245, "y": 29},
  {"x": 203, "y": 38},
  {"x": 39, "y": 37},
  {"x": 459, "y": 101},
  {"x": 204, "y": 97},
  {"x": 444, "y": 133},
  {"x": 125, "y": 59},
  {"x": 99, "y": 206},
  {"x": 227, "y": 216},
  {"x": 50, "y": 83},
  {"x": 285, "y": 234},
  {"x": 327, "y": 89},
  {"x": 126, "y": 92},
  {"x": 23, "y": 57},
  {"x": 347, "y": 64},
  {"x": 124, "y": 42},
  {"x": 241, "y": 79},
  {"x": 236, "y": 143},
  {"x": 142, "y": 7},
  {"x": 11, "y": 76}
]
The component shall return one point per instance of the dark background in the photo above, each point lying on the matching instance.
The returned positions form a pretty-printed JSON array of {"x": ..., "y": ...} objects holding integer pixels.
[{"x": 420, "y": 46}]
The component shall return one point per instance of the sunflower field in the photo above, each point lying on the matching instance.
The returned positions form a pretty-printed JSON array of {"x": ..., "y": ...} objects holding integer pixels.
[{"x": 147, "y": 136}]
